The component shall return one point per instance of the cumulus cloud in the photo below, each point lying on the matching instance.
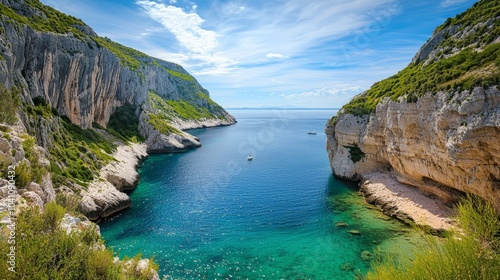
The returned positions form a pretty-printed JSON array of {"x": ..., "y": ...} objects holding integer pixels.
[{"x": 185, "y": 26}]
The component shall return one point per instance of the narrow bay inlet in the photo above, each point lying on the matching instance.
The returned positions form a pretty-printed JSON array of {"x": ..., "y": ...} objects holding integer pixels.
[
  {"x": 249, "y": 139},
  {"x": 282, "y": 215}
]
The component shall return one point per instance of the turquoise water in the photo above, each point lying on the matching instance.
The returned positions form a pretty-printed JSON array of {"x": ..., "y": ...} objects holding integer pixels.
[{"x": 210, "y": 213}]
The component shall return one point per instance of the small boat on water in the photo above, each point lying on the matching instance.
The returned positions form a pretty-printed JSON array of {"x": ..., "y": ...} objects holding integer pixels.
[
  {"x": 249, "y": 157},
  {"x": 312, "y": 133}
]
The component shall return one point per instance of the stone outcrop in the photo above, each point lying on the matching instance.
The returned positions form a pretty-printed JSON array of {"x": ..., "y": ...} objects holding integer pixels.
[
  {"x": 122, "y": 173},
  {"x": 105, "y": 195},
  {"x": 441, "y": 134},
  {"x": 12, "y": 153},
  {"x": 85, "y": 78},
  {"x": 405, "y": 202},
  {"x": 159, "y": 142},
  {"x": 82, "y": 78},
  {"x": 101, "y": 199},
  {"x": 445, "y": 143}
]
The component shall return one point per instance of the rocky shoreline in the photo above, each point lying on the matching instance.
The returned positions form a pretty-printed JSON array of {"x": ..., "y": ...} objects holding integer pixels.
[
  {"x": 106, "y": 195},
  {"x": 406, "y": 203}
]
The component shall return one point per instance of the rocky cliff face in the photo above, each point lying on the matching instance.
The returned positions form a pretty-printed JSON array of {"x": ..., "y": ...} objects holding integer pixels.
[
  {"x": 440, "y": 144},
  {"x": 86, "y": 77},
  {"x": 64, "y": 74},
  {"x": 443, "y": 142}
]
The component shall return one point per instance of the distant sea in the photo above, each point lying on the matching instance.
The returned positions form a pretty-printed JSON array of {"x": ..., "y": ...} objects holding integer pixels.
[{"x": 210, "y": 213}]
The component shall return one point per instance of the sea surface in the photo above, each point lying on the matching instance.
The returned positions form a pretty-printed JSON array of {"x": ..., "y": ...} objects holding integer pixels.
[{"x": 210, "y": 214}]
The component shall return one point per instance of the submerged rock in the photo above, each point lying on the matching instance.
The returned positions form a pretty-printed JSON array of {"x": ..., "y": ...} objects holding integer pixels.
[
  {"x": 341, "y": 224},
  {"x": 354, "y": 232},
  {"x": 366, "y": 256}
]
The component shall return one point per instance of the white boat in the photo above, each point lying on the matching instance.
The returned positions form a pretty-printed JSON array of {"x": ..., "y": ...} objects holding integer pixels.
[{"x": 249, "y": 157}]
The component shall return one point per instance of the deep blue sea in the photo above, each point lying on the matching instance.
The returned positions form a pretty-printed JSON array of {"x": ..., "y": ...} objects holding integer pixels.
[{"x": 210, "y": 214}]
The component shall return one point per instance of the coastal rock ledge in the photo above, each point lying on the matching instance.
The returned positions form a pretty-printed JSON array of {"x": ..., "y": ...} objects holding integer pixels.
[
  {"x": 445, "y": 144},
  {"x": 104, "y": 196},
  {"x": 406, "y": 203}
]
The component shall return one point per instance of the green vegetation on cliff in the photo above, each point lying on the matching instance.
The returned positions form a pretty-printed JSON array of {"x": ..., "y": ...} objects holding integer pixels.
[
  {"x": 51, "y": 20},
  {"x": 447, "y": 72},
  {"x": 188, "y": 111},
  {"x": 32, "y": 172},
  {"x": 123, "y": 123},
  {"x": 75, "y": 154},
  {"x": 78, "y": 154},
  {"x": 44, "y": 250},
  {"x": 471, "y": 254},
  {"x": 163, "y": 112},
  {"x": 128, "y": 56},
  {"x": 10, "y": 102}
]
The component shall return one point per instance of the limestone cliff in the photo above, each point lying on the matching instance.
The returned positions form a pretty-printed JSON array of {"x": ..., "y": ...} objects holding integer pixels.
[
  {"x": 81, "y": 75},
  {"x": 93, "y": 107},
  {"x": 436, "y": 124}
]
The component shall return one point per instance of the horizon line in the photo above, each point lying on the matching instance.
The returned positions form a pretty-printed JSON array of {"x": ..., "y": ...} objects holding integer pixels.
[{"x": 282, "y": 108}]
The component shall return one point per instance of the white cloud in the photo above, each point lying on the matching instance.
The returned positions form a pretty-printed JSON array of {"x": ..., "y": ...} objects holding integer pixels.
[
  {"x": 185, "y": 26},
  {"x": 274, "y": 55},
  {"x": 322, "y": 92},
  {"x": 448, "y": 3}
]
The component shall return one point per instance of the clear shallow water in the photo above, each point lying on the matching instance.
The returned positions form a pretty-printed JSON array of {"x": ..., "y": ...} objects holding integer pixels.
[{"x": 210, "y": 213}]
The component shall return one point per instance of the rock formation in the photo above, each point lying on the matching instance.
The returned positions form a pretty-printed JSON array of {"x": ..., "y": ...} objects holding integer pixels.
[
  {"x": 443, "y": 141},
  {"x": 64, "y": 74}
]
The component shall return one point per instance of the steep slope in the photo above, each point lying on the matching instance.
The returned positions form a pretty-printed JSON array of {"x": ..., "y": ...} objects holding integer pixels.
[
  {"x": 436, "y": 124},
  {"x": 81, "y": 111},
  {"x": 81, "y": 75}
]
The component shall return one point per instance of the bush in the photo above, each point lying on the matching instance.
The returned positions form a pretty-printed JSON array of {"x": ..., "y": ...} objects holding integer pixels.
[
  {"x": 35, "y": 169},
  {"x": 78, "y": 154},
  {"x": 45, "y": 251},
  {"x": 125, "y": 123},
  {"x": 471, "y": 254},
  {"x": 23, "y": 175},
  {"x": 9, "y": 105},
  {"x": 69, "y": 202},
  {"x": 355, "y": 153}
]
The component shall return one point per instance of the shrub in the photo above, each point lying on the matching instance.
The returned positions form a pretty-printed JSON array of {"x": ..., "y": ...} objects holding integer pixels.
[
  {"x": 162, "y": 125},
  {"x": 355, "y": 153},
  {"x": 473, "y": 254},
  {"x": 78, "y": 154},
  {"x": 23, "y": 175},
  {"x": 36, "y": 170},
  {"x": 124, "y": 123},
  {"x": 45, "y": 251},
  {"x": 69, "y": 202},
  {"x": 9, "y": 105}
]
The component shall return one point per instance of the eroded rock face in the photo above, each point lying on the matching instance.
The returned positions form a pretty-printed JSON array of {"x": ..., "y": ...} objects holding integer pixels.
[
  {"x": 101, "y": 200},
  {"x": 443, "y": 143},
  {"x": 122, "y": 173},
  {"x": 85, "y": 78},
  {"x": 79, "y": 78}
]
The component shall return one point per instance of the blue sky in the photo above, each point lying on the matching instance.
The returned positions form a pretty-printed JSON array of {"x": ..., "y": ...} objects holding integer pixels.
[{"x": 277, "y": 52}]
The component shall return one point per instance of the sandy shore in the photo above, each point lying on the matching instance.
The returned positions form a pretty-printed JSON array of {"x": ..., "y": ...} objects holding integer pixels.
[{"x": 406, "y": 203}]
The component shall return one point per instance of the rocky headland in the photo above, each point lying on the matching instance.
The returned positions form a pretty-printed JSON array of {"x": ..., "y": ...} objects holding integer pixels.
[
  {"x": 93, "y": 108},
  {"x": 432, "y": 128}
]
